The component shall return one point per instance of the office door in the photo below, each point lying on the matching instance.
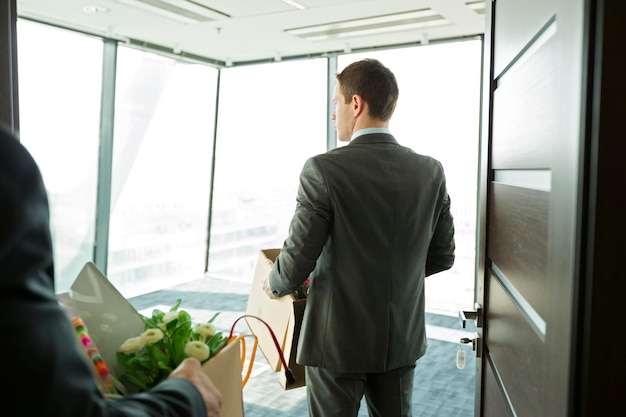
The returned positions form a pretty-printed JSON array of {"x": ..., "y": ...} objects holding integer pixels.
[{"x": 528, "y": 206}]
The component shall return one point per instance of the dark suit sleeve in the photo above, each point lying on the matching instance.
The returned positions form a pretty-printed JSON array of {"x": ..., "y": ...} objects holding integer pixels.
[
  {"x": 42, "y": 372},
  {"x": 308, "y": 232},
  {"x": 441, "y": 249}
]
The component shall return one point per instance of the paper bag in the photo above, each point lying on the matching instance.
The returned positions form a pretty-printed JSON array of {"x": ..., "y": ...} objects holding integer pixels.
[
  {"x": 224, "y": 369},
  {"x": 291, "y": 347},
  {"x": 283, "y": 315}
]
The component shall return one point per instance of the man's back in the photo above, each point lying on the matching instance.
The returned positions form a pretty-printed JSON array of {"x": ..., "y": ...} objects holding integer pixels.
[{"x": 366, "y": 303}]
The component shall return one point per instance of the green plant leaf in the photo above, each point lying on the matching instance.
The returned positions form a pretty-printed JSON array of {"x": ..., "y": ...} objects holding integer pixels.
[
  {"x": 184, "y": 317},
  {"x": 214, "y": 317},
  {"x": 138, "y": 379},
  {"x": 176, "y": 304},
  {"x": 154, "y": 362},
  {"x": 216, "y": 343}
]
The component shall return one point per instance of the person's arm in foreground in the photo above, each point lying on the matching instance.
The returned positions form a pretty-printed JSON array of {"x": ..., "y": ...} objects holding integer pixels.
[{"x": 42, "y": 370}]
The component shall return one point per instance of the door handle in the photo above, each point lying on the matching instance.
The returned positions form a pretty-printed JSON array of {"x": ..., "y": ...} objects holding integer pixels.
[{"x": 476, "y": 315}]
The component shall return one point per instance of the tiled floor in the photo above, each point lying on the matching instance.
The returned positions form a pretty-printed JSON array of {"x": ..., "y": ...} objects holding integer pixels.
[{"x": 440, "y": 388}]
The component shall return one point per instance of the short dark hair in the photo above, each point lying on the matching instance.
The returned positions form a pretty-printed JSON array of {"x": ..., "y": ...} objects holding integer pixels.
[{"x": 374, "y": 82}]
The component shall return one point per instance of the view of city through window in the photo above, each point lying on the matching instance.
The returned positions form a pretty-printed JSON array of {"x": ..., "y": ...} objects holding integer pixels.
[
  {"x": 164, "y": 187},
  {"x": 59, "y": 124},
  {"x": 161, "y": 175}
]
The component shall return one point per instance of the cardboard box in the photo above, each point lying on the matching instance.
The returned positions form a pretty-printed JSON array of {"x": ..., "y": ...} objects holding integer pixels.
[
  {"x": 111, "y": 319},
  {"x": 283, "y": 315},
  {"x": 224, "y": 369}
]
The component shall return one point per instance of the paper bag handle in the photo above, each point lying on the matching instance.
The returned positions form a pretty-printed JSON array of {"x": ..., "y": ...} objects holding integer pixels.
[
  {"x": 288, "y": 374},
  {"x": 242, "y": 359}
]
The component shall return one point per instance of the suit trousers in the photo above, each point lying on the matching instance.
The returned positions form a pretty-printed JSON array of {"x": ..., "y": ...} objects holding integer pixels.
[{"x": 337, "y": 394}]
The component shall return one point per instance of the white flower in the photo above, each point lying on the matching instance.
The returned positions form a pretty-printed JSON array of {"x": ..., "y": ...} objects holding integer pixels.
[
  {"x": 131, "y": 345},
  {"x": 162, "y": 326},
  {"x": 206, "y": 330},
  {"x": 151, "y": 336},
  {"x": 169, "y": 316},
  {"x": 197, "y": 350}
]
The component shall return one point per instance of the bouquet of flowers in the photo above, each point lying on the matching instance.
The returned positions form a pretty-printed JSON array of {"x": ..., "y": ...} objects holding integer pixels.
[
  {"x": 303, "y": 290},
  {"x": 168, "y": 338}
]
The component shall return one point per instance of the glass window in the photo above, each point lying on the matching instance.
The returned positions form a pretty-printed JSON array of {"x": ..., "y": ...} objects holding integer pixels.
[
  {"x": 438, "y": 115},
  {"x": 59, "y": 88},
  {"x": 161, "y": 174},
  {"x": 272, "y": 117}
]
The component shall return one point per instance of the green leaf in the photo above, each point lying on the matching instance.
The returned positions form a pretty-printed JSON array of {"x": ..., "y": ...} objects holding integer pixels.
[
  {"x": 213, "y": 318},
  {"x": 157, "y": 315},
  {"x": 172, "y": 325},
  {"x": 216, "y": 343},
  {"x": 165, "y": 367},
  {"x": 159, "y": 353},
  {"x": 183, "y": 317},
  {"x": 175, "y": 306},
  {"x": 179, "y": 339},
  {"x": 138, "y": 380}
]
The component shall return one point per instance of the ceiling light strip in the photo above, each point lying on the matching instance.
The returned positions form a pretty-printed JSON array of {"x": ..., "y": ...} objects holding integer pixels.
[
  {"x": 426, "y": 14},
  {"x": 372, "y": 31},
  {"x": 294, "y": 4},
  {"x": 181, "y": 10}
]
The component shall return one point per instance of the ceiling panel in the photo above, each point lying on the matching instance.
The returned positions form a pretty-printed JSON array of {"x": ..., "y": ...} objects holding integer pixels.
[{"x": 252, "y": 29}]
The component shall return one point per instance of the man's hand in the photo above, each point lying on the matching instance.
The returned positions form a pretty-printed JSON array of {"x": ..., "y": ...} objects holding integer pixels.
[
  {"x": 268, "y": 290},
  {"x": 266, "y": 283},
  {"x": 190, "y": 370}
]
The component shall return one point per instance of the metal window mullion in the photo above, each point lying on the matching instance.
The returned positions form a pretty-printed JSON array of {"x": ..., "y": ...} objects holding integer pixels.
[
  {"x": 213, "y": 159},
  {"x": 105, "y": 155},
  {"x": 331, "y": 134}
]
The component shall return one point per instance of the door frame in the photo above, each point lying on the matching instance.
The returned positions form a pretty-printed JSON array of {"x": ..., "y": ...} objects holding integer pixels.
[{"x": 484, "y": 178}]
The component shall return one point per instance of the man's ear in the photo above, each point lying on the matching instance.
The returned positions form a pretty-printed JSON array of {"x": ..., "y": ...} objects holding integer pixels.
[{"x": 358, "y": 104}]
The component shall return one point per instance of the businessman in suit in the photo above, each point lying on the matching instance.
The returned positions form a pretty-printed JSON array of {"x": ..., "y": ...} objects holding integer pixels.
[
  {"x": 41, "y": 371},
  {"x": 372, "y": 221}
]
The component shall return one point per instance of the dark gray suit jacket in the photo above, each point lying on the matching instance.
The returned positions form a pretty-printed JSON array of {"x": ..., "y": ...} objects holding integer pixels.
[
  {"x": 42, "y": 374},
  {"x": 372, "y": 220}
]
